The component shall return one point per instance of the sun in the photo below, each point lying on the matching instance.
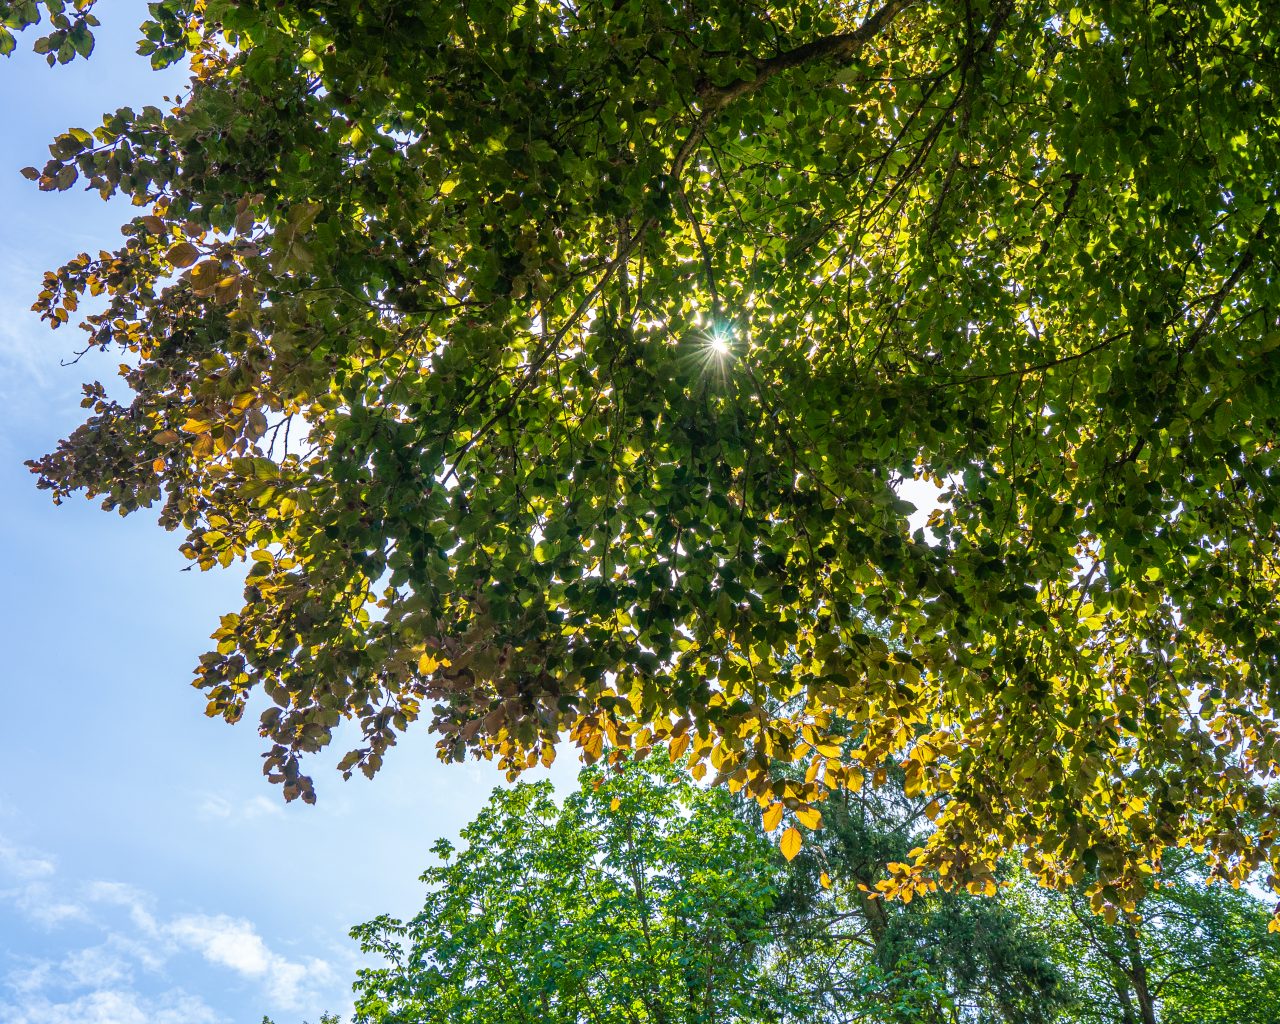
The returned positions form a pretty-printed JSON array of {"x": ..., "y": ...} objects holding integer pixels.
[{"x": 720, "y": 345}]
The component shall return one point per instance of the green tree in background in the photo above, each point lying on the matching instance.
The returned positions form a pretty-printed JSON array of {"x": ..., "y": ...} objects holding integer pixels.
[
  {"x": 641, "y": 900},
  {"x": 647, "y": 898},
  {"x": 557, "y": 366},
  {"x": 325, "y": 1018},
  {"x": 1201, "y": 953},
  {"x": 847, "y": 954}
]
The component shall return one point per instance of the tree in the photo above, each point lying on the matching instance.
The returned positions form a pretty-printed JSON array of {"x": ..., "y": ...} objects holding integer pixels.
[
  {"x": 642, "y": 899},
  {"x": 847, "y": 955},
  {"x": 325, "y": 1018},
  {"x": 646, "y": 897},
  {"x": 558, "y": 367},
  {"x": 1200, "y": 954}
]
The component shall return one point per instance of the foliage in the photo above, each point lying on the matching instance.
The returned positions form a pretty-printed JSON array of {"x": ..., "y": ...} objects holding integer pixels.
[
  {"x": 1201, "y": 953},
  {"x": 72, "y": 30},
  {"x": 647, "y": 898},
  {"x": 325, "y": 1018},
  {"x": 557, "y": 367},
  {"x": 641, "y": 899},
  {"x": 938, "y": 957}
]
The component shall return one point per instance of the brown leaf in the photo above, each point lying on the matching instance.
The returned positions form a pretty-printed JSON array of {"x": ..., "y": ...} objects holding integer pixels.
[{"x": 183, "y": 254}]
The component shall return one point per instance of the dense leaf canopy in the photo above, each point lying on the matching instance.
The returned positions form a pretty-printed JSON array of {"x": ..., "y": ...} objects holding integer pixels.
[
  {"x": 1202, "y": 954},
  {"x": 558, "y": 367},
  {"x": 642, "y": 899},
  {"x": 647, "y": 899}
]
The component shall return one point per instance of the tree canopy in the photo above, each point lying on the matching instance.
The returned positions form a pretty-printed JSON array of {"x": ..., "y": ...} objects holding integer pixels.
[
  {"x": 645, "y": 898},
  {"x": 650, "y": 899},
  {"x": 558, "y": 367},
  {"x": 642, "y": 899}
]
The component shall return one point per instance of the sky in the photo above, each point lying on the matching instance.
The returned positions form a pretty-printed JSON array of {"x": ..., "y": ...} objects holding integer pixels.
[{"x": 148, "y": 872}]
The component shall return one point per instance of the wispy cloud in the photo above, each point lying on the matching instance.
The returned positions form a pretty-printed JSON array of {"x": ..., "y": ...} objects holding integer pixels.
[
  {"x": 110, "y": 979},
  {"x": 25, "y": 349},
  {"x": 113, "y": 1006},
  {"x": 128, "y": 897},
  {"x": 41, "y": 904},
  {"x": 19, "y": 864},
  {"x": 217, "y": 806},
  {"x": 235, "y": 944}
]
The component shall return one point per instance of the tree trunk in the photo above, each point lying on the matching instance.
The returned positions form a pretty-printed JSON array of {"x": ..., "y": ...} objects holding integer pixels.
[
  {"x": 1126, "y": 1000},
  {"x": 1138, "y": 975}
]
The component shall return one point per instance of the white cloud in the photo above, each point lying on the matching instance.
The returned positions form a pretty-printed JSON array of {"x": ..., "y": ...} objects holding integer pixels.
[
  {"x": 15, "y": 864},
  {"x": 24, "y": 349},
  {"x": 226, "y": 941},
  {"x": 40, "y": 903},
  {"x": 118, "y": 894},
  {"x": 113, "y": 1006},
  {"x": 235, "y": 944},
  {"x": 32, "y": 979},
  {"x": 103, "y": 981},
  {"x": 29, "y": 876},
  {"x": 215, "y": 805},
  {"x": 97, "y": 967}
]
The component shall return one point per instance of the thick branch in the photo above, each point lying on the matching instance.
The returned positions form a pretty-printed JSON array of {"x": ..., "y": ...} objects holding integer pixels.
[{"x": 838, "y": 47}]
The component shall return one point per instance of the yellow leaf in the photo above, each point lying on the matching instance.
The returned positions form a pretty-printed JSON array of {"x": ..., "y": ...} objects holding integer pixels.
[
  {"x": 790, "y": 843},
  {"x": 614, "y": 804},
  {"x": 809, "y": 817},
  {"x": 205, "y": 275},
  {"x": 678, "y": 746},
  {"x": 773, "y": 816},
  {"x": 447, "y": 186},
  {"x": 824, "y": 880},
  {"x": 428, "y": 663}
]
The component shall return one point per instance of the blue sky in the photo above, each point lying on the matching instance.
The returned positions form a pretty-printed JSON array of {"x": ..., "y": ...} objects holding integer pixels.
[{"x": 148, "y": 872}]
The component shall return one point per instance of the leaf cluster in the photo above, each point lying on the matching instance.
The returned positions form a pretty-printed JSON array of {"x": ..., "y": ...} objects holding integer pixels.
[{"x": 558, "y": 368}]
